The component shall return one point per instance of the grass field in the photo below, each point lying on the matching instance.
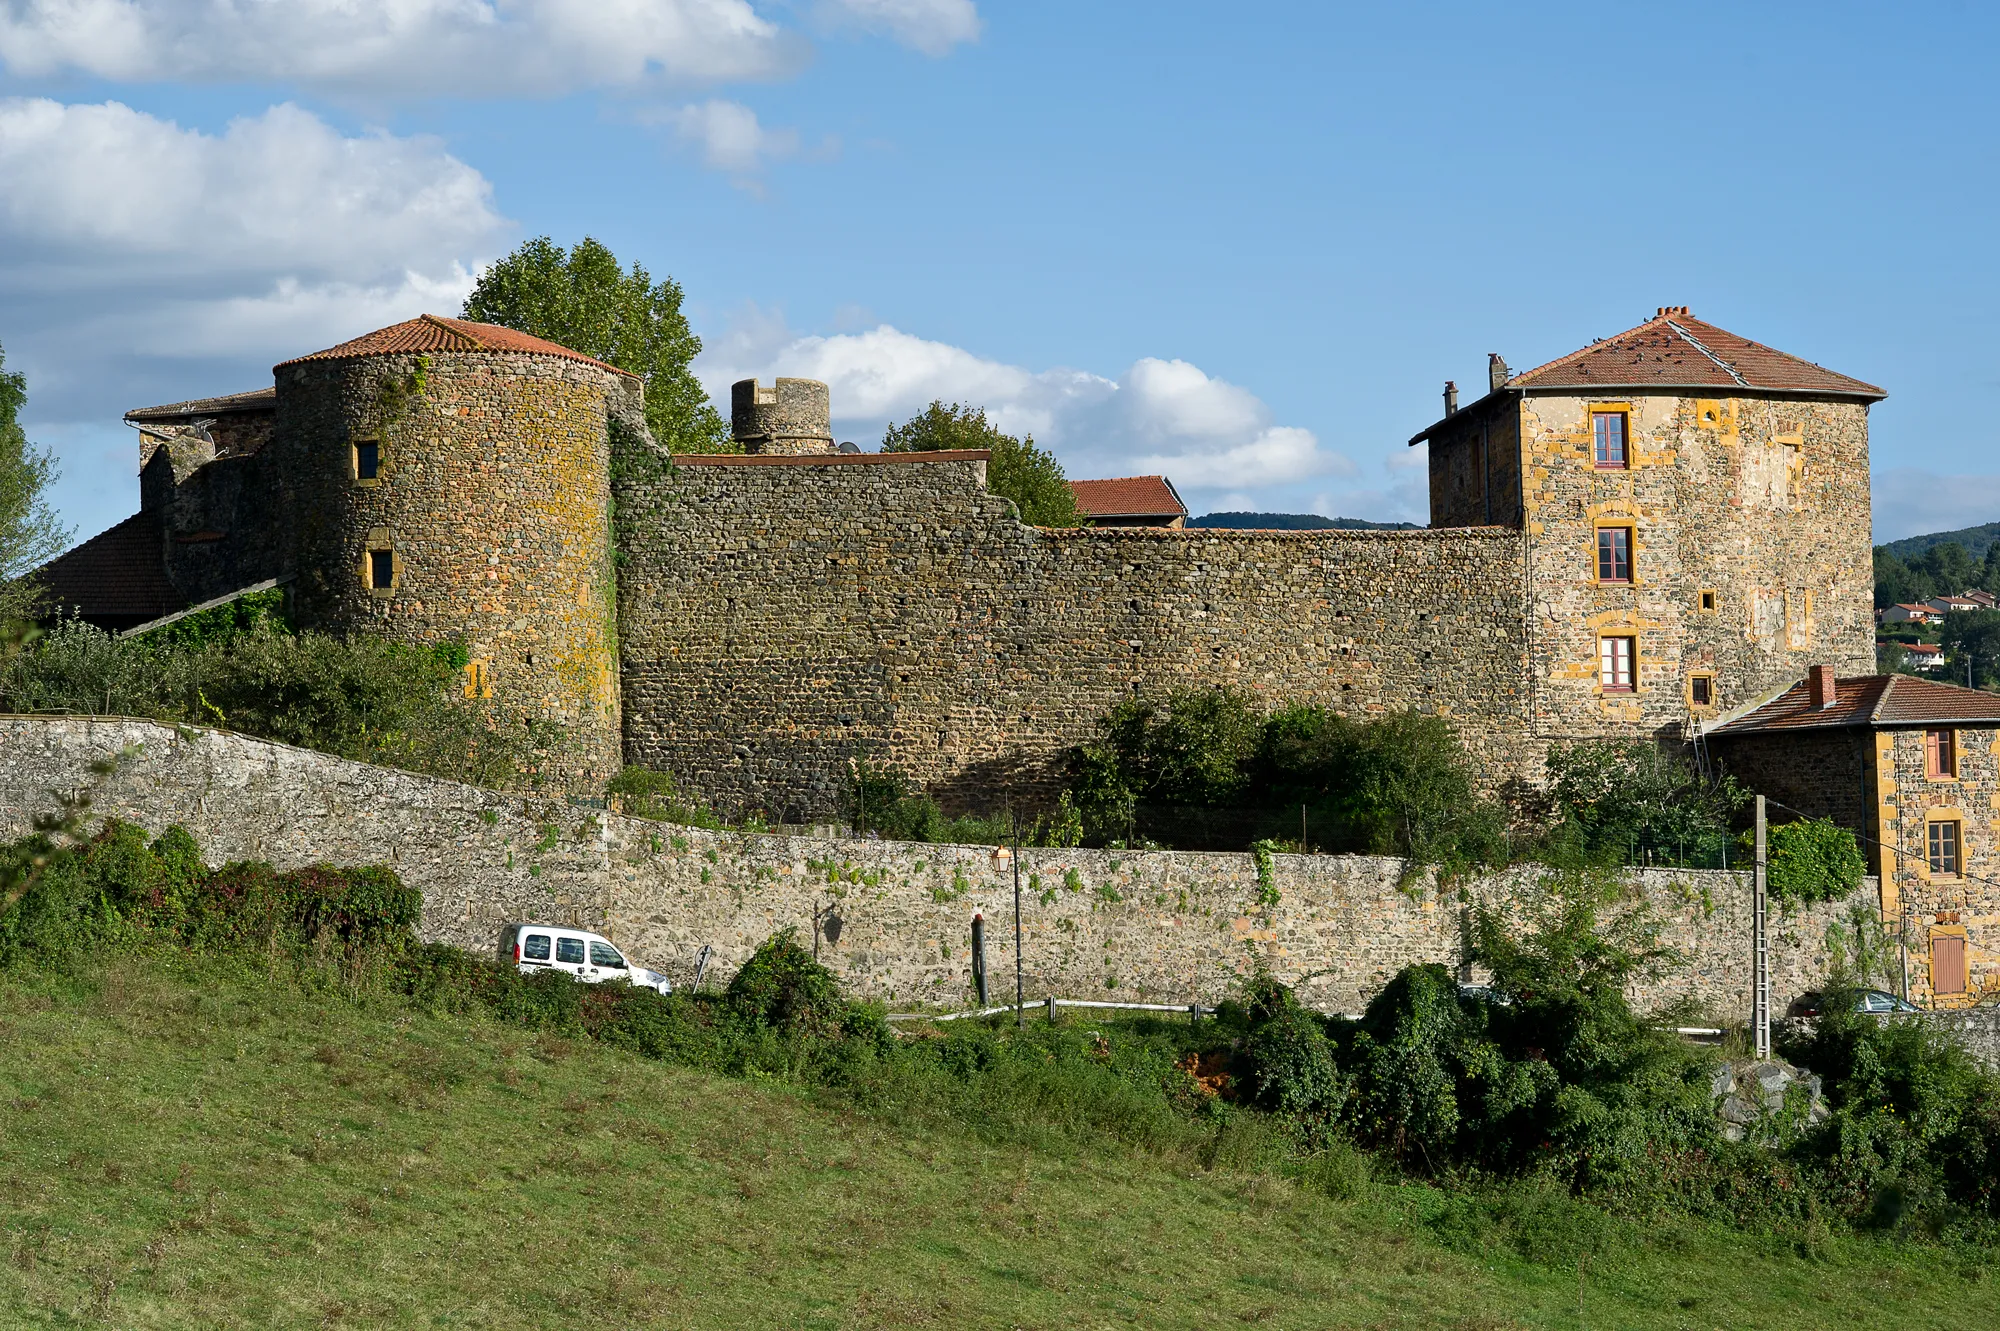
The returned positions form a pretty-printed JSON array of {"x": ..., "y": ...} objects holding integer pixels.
[{"x": 208, "y": 1151}]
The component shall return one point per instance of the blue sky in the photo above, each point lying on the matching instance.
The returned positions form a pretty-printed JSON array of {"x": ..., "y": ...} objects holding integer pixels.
[{"x": 1243, "y": 245}]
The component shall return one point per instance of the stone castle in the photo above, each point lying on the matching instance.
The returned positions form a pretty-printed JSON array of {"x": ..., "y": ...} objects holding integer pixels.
[{"x": 1659, "y": 529}]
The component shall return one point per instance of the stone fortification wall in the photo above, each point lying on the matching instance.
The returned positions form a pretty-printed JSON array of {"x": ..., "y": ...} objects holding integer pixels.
[
  {"x": 1156, "y": 926},
  {"x": 781, "y": 617}
]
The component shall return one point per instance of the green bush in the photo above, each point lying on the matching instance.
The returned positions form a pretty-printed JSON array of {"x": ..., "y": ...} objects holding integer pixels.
[
  {"x": 645, "y": 793},
  {"x": 784, "y": 987},
  {"x": 1810, "y": 860},
  {"x": 370, "y": 699},
  {"x": 1635, "y": 802}
]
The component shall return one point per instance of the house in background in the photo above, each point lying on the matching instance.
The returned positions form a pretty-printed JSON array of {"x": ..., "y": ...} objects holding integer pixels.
[
  {"x": 1919, "y": 655},
  {"x": 1912, "y": 768},
  {"x": 1955, "y": 605},
  {"x": 1130, "y": 501},
  {"x": 1909, "y": 614}
]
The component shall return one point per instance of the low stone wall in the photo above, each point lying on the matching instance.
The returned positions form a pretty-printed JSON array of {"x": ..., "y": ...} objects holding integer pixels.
[{"x": 1156, "y": 926}]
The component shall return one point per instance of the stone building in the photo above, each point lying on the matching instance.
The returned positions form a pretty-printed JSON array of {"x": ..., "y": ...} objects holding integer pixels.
[
  {"x": 1912, "y": 767},
  {"x": 1130, "y": 501},
  {"x": 1653, "y": 530}
]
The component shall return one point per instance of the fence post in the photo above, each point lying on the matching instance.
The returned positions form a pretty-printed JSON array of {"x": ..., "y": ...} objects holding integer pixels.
[
  {"x": 1051, "y": 1001},
  {"x": 1760, "y": 992},
  {"x": 979, "y": 956}
]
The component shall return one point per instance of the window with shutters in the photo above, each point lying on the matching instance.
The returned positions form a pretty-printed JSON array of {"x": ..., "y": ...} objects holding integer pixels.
[
  {"x": 1615, "y": 662},
  {"x": 1940, "y": 754},
  {"x": 1608, "y": 430},
  {"x": 1945, "y": 850}
]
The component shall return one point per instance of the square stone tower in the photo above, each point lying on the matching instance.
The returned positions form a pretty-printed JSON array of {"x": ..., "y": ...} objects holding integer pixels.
[{"x": 1695, "y": 512}]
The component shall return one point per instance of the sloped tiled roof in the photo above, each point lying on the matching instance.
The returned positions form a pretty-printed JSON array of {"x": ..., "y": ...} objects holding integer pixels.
[
  {"x": 116, "y": 573},
  {"x": 1129, "y": 497},
  {"x": 433, "y": 332},
  {"x": 1870, "y": 700},
  {"x": 1674, "y": 349},
  {"x": 257, "y": 399}
]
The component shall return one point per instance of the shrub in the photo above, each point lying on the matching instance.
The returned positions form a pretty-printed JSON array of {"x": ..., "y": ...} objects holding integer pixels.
[
  {"x": 1292, "y": 1067},
  {"x": 783, "y": 987},
  {"x": 1632, "y": 801},
  {"x": 1811, "y": 860},
  {"x": 645, "y": 793}
]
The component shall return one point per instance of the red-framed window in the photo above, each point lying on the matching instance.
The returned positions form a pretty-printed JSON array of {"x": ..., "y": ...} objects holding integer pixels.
[
  {"x": 1608, "y": 429},
  {"x": 1614, "y": 554},
  {"x": 1616, "y": 658},
  {"x": 1940, "y": 753}
]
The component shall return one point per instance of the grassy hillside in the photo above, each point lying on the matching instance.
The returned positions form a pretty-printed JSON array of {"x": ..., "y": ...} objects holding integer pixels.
[
  {"x": 198, "y": 1148},
  {"x": 1974, "y": 539}
]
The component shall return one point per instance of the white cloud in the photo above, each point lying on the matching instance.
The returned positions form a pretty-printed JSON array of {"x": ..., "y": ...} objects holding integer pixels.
[
  {"x": 144, "y": 262},
  {"x": 931, "y": 26},
  {"x": 1214, "y": 438},
  {"x": 730, "y": 138},
  {"x": 412, "y": 47}
]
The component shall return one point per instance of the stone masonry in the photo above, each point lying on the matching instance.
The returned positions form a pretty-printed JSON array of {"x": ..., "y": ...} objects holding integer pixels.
[{"x": 1154, "y": 926}]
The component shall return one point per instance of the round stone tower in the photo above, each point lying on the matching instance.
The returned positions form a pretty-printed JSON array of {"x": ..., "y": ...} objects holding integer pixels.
[
  {"x": 449, "y": 481},
  {"x": 791, "y": 416}
]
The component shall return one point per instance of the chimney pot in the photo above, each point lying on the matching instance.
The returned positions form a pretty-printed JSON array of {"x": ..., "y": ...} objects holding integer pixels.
[
  {"x": 1450, "y": 398},
  {"x": 1821, "y": 691},
  {"x": 1497, "y": 373}
]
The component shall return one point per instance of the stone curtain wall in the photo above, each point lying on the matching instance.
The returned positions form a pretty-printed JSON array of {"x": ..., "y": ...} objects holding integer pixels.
[
  {"x": 1158, "y": 926},
  {"x": 781, "y": 617}
]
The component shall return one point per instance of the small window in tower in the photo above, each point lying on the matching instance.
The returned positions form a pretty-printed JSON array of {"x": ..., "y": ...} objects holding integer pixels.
[
  {"x": 1701, "y": 690},
  {"x": 1614, "y": 663},
  {"x": 1944, "y": 848},
  {"x": 1608, "y": 427},
  {"x": 1614, "y": 554},
  {"x": 1707, "y": 601},
  {"x": 382, "y": 570},
  {"x": 367, "y": 459},
  {"x": 1941, "y": 754},
  {"x": 478, "y": 679}
]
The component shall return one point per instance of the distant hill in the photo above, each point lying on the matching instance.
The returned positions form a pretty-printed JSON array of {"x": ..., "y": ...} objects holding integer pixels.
[
  {"x": 1974, "y": 539},
  {"x": 1294, "y": 522}
]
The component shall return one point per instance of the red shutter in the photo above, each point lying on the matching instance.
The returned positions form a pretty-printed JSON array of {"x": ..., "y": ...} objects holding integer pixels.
[{"x": 1947, "y": 964}]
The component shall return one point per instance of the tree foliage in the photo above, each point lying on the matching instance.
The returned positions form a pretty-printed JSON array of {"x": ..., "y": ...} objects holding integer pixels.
[
  {"x": 30, "y": 532},
  {"x": 1019, "y": 469},
  {"x": 584, "y": 300},
  {"x": 1634, "y": 801},
  {"x": 1812, "y": 859}
]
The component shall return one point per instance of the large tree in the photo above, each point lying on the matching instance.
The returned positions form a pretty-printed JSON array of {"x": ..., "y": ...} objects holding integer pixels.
[
  {"x": 1019, "y": 470},
  {"x": 584, "y": 300},
  {"x": 30, "y": 533}
]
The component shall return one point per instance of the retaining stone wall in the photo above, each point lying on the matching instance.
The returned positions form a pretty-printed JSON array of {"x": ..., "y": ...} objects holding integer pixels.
[{"x": 1155, "y": 926}]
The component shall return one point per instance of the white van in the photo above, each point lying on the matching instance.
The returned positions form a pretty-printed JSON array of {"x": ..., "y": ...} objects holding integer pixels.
[{"x": 584, "y": 956}]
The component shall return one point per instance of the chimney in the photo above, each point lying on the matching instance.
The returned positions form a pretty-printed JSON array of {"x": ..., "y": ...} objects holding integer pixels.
[
  {"x": 1820, "y": 689},
  {"x": 1450, "y": 398},
  {"x": 1497, "y": 373}
]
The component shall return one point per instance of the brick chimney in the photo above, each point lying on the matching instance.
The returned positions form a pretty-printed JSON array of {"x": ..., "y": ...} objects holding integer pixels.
[{"x": 1820, "y": 689}]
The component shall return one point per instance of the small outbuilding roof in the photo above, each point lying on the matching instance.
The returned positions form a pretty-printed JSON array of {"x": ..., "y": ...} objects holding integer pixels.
[
  {"x": 229, "y": 404},
  {"x": 118, "y": 574},
  {"x": 1869, "y": 700},
  {"x": 434, "y": 332},
  {"x": 1129, "y": 497}
]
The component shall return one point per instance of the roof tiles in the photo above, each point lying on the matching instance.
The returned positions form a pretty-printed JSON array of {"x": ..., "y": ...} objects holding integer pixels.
[
  {"x": 116, "y": 573},
  {"x": 1129, "y": 497},
  {"x": 257, "y": 399},
  {"x": 1870, "y": 700},
  {"x": 433, "y": 332},
  {"x": 1674, "y": 349}
]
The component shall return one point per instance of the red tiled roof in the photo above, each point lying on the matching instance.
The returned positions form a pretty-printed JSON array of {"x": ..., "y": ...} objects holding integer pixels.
[
  {"x": 1129, "y": 497},
  {"x": 432, "y": 332},
  {"x": 119, "y": 572},
  {"x": 1674, "y": 349},
  {"x": 257, "y": 399},
  {"x": 1870, "y": 700}
]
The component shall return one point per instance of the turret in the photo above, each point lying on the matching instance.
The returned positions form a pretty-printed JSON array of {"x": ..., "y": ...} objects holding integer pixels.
[{"x": 791, "y": 416}]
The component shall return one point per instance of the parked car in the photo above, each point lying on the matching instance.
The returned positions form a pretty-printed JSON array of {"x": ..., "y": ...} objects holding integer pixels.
[
  {"x": 1877, "y": 1001},
  {"x": 584, "y": 956}
]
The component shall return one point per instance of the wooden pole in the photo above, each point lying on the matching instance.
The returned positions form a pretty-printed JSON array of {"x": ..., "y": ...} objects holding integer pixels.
[
  {"x": 1760, "y": 992},
  {"x": 1020, "y": 1011}
]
